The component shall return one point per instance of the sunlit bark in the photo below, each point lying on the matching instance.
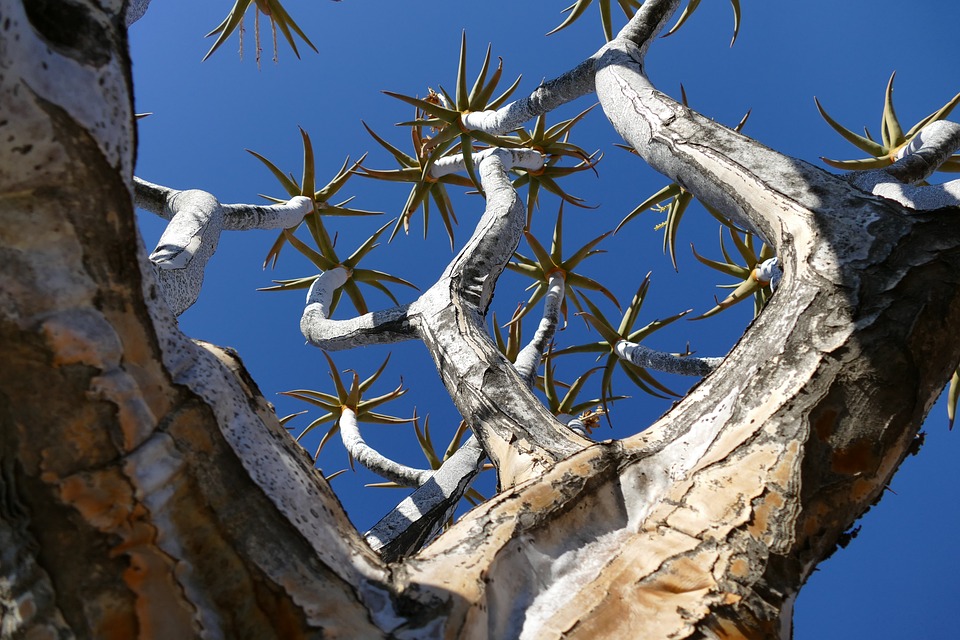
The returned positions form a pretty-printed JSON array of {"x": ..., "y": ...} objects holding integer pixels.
[{"x": 147, "y": 489}]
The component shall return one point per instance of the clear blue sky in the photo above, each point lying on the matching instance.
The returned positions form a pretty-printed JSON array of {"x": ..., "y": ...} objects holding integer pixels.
[{"x": 897, "y": 579}]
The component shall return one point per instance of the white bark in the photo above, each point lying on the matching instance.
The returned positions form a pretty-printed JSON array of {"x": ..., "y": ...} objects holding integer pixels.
[
  {"x": 529, "y": 359},
  {"x": 191, "y": 238},
  {"x": 420, "y": 516},
  {"x": 929, "y": 148},
  {"x": 648, "y": 358},
  {"x": 512, "y": 158},
  {"x": 548, "y": 96},
  {"x": 375, "y": 461},
  {"x": 135, "y": 10},
  {"x": 575, "y": 424},
  {"x": 154, "y": 462},
  {"x": 322, "y": 289}
]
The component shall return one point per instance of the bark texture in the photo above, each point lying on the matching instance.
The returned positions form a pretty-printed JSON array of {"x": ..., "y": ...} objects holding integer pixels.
[{"x": 147, "y": 489}]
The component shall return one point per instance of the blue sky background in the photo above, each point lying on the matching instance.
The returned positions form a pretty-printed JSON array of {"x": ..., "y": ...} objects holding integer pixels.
[{"x": 897, "y": 579}]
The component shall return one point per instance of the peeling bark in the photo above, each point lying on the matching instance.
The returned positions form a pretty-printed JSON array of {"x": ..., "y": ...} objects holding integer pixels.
[{"x": 147, "y": 488}]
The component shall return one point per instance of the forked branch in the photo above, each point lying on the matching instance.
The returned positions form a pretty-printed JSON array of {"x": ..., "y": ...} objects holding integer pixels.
[{"x": 190, "y": 240}]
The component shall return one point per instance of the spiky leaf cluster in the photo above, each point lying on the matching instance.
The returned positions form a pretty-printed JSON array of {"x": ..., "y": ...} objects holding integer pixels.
[
  {"x": 883, "y": 152},
  {"x": 554, "y": 143},
  {"x": 343, "y": 398},
  {"x": 323, "y": 253},
  {"x": 437, "y": 131},
  {"x": 443, "y": 112},
  {"x": 629, "y": 8},
  {"x": 440, "y": 114},
  {"x": 748, "y": 285},
  {"x": 279, "y": 19},
  {"x": 415, "y": 170},
  {"x": 570, "y": 403},
  {"x": 692, "y": 6},
  {"x": 544, "y": 264},
  {"x": 510, "y": 345},
  {"x": 578, "y": 8},
  {"x": 610, "y": 336}
]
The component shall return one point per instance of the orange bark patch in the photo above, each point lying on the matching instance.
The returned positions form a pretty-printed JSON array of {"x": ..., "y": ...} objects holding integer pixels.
[
  {"x": 74, "y": 444},
  {"x": 142, "y": 363},
  {"x": 766, "y": 507},
  {"x": 785, "y": 473},
  {"x": 728, "y": 630},
  {"x": 688, "y": 574},
  {"x": 78, "y": 336},
  {"x": 113, "y": 620},
  {"x": 739, "y": 568},
  {"x": 106, "y": 500},
  {"x": 863, "y": 489},
  {"x": 284, "y": 617},
  {"x": 651, "y": 590},
  {"x": 815, "y": 516},
  {"x": 182, "y": 428},
  {"x": 161, "y": 610}
]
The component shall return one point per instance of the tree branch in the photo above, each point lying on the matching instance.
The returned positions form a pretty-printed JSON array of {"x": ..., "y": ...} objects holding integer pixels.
[
  {"x": 647, "y": 358},
  {"x": 927, "y": 151},
  {"x": 421, "y": 515},
  {"x": 448, "y": 317},
  {"x": 416, "y": 519},
  {"x": 529, "y": 358},
  {"x": 574, "y": 423},
  {"x": 514, "y": 158},
  {"x": 378, "y": 327},
  {"x": 565, "y": 88},
  {"x": 521, "y": 437},
  {"x": 375, "y": 461},
  {"x": 150, "y": 460},
  {"x": 193, "y": 233}
]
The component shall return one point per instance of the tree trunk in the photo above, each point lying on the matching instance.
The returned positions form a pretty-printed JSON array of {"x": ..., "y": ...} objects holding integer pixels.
[{"x": 149, "y": 490}]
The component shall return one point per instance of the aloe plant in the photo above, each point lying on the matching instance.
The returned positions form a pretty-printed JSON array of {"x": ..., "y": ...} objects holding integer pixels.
[
  {"x": 577, "y": 9},
  {"x": 554, "y": 143},
  {"x": 415, "y": 169},
  {"x": 443, "y": 112},
  {"x": 544, "y": 264},
  {"x": 753, "y": 282},
  {"x": 344, "y": 398},
  {"x": 307, "y": 187},
  {"x": 884, "y": 152},
  {"x": 275, "y": 12}
]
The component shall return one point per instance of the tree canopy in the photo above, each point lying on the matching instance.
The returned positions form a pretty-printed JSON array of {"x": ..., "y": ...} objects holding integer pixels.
[
  {"x": 204, "y": 115},
  {"x": 784, "y": 56}
]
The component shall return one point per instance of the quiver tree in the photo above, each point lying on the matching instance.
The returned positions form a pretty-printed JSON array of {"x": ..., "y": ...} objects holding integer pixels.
[{"x": 125, "y": 445}]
